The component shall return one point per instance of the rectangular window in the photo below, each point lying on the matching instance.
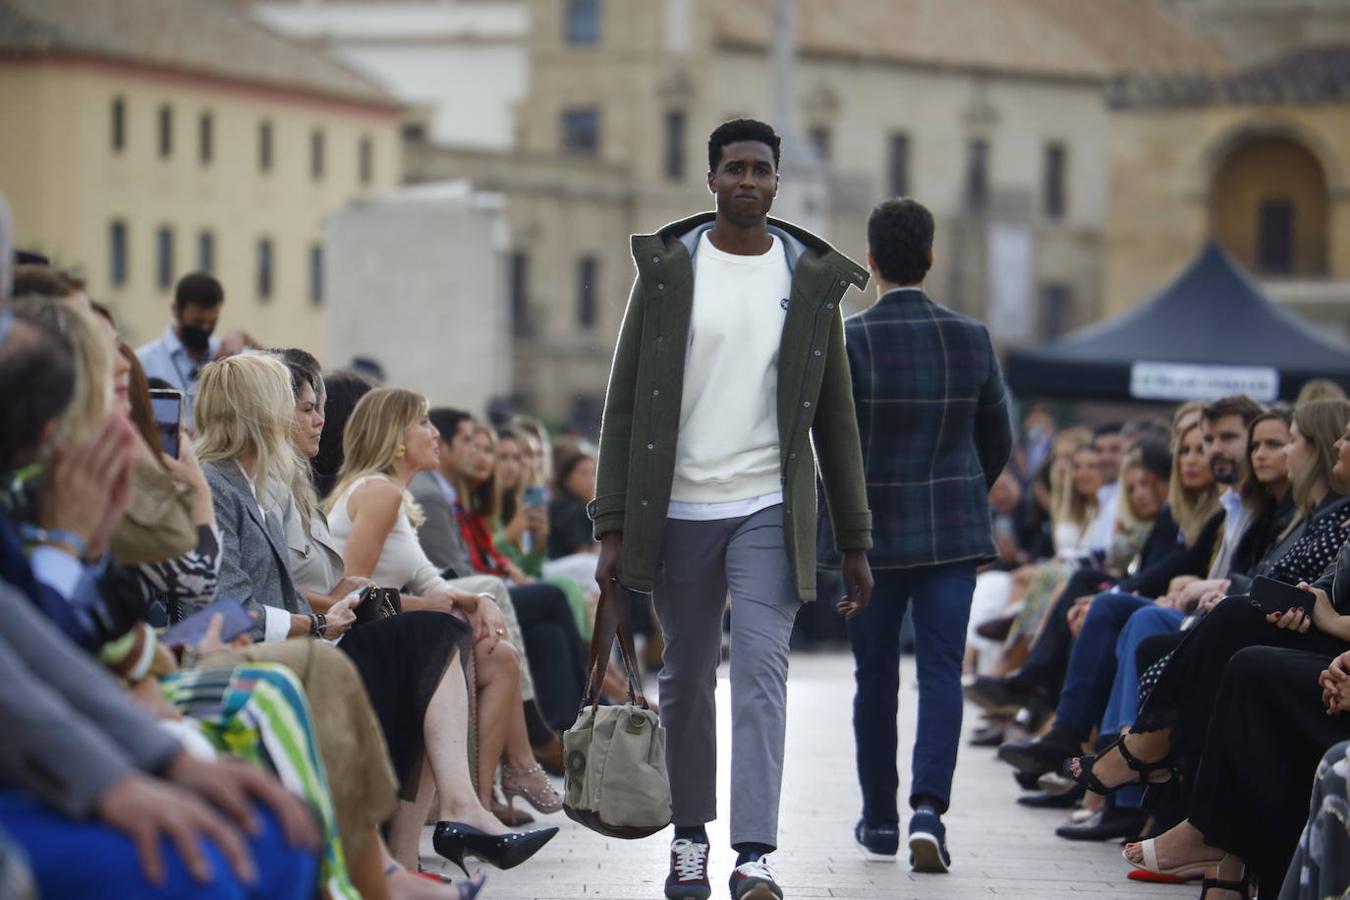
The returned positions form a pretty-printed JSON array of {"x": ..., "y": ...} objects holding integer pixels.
[
  {"x": 366, "y": 162},
  {"x": 118, "y": 124},
  {"x": 206, "y": 252},
  {"x": 675, "y": 140},
  {"x": 164, "y": 258},
  {"x": 581, "y": 130},
  {"x": 1275, "y": 236},
  {"x": 588, "y": 268},
  {"x": 165, "y": 131},
  {"x": 1056, "y": 162},
  {"x": 265, "y": 146},
  {"x": 264, "y": 269},
  {"x": 583, "y": 23},
  {"x": 316, "y": 154},
  {"x": 898, "y": 172},
  {"x": 821, "y": 139},
  {"x": 977, "y": 175},
  {"x": 206, "y": 138},
  {"x": 316, "y": 274},
  {"x": 117, "y": 253},
  {"x": 1055, "y": 302},
  {"x": 518, "y": 277}
]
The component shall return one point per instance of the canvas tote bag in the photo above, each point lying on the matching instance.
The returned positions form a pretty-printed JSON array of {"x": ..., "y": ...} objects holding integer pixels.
[{"x": 616, "y": 781}]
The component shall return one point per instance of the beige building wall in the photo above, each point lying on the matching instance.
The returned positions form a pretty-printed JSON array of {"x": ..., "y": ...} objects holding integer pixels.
[
  {"x": 1162, "y": 168},
  {"x": 67, "y": 184}
]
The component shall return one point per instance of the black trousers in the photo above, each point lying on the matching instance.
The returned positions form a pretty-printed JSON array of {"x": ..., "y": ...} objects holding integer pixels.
[
  {"x": 1268, "y": 733},
  {"x": 556, "y": 652},
  {"x": 1184, "y": 697},
  {"x": 1048, "y": 659}
]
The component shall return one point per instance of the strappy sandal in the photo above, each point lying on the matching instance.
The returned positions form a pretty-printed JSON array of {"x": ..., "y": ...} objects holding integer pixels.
[
  {"x": 1150, "y": 863},
  {"x": 1148, "y": 772},
  {"x": 1242, "y": 887},
  {"x": 533, "y": 786}
]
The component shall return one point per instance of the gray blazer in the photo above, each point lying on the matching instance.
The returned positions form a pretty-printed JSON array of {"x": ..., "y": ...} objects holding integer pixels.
[
  {"x": 439, "y": 534},
  {"x": 71, "y": 732},
  {"x": 254, "y": 566}
]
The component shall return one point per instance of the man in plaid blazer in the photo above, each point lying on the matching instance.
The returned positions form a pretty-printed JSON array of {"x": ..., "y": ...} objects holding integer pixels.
[{"x": 933, "y": 419}]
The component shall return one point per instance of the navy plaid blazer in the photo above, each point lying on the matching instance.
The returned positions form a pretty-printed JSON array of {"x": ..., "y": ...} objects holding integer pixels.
[{"x": 933, "y": 418}]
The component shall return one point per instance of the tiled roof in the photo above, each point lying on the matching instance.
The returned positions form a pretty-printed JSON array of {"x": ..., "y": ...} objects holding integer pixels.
[
  {"x": 1306, "y": 75},
  {"x": 1084, "y": 39},
  {"x": 203, "y": 37}
]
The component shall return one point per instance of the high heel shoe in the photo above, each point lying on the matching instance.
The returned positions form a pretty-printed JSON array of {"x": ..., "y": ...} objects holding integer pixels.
[
  {"x": 533, "y": 785},
  {"x": 455, "y": 840},
  {"x": 1159, "y": 772}
]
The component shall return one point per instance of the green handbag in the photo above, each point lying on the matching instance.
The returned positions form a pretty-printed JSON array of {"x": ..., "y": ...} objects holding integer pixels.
[{"x": 616, "y": 780}]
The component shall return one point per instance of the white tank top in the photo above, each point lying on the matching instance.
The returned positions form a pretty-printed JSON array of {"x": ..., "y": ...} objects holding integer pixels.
[{"x": 402, "y": 561}]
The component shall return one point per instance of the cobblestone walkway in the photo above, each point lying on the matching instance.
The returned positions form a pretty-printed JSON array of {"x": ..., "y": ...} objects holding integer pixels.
[{"x": 998, "y": 847}]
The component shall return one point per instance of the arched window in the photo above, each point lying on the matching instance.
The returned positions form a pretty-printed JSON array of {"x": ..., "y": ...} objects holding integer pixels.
[{"x": 1268, "y": 208}]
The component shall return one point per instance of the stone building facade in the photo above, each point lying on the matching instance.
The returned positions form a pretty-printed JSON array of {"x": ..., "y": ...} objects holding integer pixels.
[{"x": 992, "y": 114}]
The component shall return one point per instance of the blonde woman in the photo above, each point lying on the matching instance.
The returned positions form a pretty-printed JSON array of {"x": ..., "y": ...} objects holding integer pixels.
[
  {"x": 245, "y": 410},
  {"x": 1077, "y": 503},
  {"x": 388, "y": 440}
]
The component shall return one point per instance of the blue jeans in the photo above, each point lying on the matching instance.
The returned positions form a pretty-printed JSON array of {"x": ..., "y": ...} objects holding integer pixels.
[
  {"x": 1092, "y": 664},
  {"x": 78, "y": 859},
  {"x": 941, "y": 610},
  {"x": 1124, "y": 703}
]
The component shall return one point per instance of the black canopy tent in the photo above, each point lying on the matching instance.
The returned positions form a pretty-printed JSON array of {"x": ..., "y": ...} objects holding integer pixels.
[{"x": 1212, "y": 331}]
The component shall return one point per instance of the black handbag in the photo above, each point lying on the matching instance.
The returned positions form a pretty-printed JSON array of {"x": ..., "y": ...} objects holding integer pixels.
[{"x": 377, "y": 603}]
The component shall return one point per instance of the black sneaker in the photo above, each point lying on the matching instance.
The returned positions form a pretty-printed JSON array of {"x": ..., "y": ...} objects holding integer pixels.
[
  {"x": 688, "y": 878},
  {"x": 1004, "y": 696},
  {"x": 754, "y": 881},
  {"x": 878, "y": 844}
]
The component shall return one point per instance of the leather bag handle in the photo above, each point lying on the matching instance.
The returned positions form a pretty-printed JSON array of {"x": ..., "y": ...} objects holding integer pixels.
[{"x": 613, "y": 621}]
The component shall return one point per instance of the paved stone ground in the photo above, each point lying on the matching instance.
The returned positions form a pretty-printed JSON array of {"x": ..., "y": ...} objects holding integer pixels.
[{"x": 998, "y": 847}]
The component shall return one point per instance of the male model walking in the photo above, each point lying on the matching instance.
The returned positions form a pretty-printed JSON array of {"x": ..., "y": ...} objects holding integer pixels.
[
  {"x": 933, "y": 417},
  {"x": 729, "y": 389}
]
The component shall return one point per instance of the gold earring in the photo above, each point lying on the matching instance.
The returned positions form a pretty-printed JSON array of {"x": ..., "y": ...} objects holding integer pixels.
[{"x": 398, "y": 454}]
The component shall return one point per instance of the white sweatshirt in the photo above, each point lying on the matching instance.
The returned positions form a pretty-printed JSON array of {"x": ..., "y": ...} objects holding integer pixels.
[{"x": 728, "y": 445}]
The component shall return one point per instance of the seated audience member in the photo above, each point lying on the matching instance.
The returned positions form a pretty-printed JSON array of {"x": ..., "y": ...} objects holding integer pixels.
[
  {"x": 76, "y": 767},
  {"x": 441, "y": 540},
  {"x": 1192, "y": 519},
  {"x": 1321, "y": 864},
  {"x": 1169, "y": 731},
  {"x": 343, "y": 390},
  {"x": 1110, "y": 441},
  {"x": 187, "y": 343},
  {"x": 1092, "y": 668},
  {"x": 570, "y": 532},
  {"x": 245, "y": 412},
  {"x": 1077, "y": 504},
  {"x": 87, "y": 772},
  {"x": 1319, "y": 389},
  {"x": 459, "y": 498},
  {"x": 388, "y": 440},
  {"x": 1277, "y": 710}
]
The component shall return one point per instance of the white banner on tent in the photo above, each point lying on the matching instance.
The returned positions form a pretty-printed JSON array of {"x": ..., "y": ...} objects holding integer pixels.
[{"x": 1177, "y": 381}]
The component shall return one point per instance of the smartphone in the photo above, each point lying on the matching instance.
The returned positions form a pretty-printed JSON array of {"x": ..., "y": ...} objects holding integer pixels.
[
  {"x": 190, "y": 631},
  {"x": 536, "y": 496},
  {"x": 1271, "y": 596},
  {"x": 167, "y": 406}
]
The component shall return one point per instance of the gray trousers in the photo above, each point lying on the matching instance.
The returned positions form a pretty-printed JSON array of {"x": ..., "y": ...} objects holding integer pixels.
[{"x": 700, "y": 563}]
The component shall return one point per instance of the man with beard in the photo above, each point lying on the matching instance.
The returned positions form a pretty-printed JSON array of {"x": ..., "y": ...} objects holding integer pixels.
[
  {"x": 730, "y": 389},
  {"x": 1223, "y": 425},
  {"x": 187, "y": 345}
]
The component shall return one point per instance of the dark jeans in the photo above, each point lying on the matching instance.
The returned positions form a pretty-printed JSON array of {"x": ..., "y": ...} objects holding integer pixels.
[
  {"x": 556, "y": 652},
  {"x": 941, "y": 608},
  {"x": 1092, "y": 665},
  {"x": 1048, "y": 657}
]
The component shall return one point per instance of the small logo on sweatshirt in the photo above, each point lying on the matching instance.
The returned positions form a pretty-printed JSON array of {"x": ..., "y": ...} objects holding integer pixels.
[{"x": 783, "y": 303}]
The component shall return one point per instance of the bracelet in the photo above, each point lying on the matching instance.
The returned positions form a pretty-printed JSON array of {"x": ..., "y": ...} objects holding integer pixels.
[
  {"x": 317, "y": 623},
  {"x": 57, "y": 537}
]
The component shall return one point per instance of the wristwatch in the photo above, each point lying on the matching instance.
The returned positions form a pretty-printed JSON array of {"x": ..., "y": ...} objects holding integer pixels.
[{"x": 53, "y": 537}]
